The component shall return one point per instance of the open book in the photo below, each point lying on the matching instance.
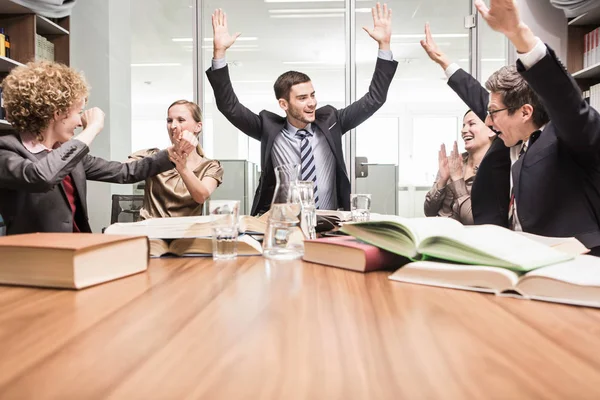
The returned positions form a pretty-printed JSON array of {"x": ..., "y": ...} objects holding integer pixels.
[
  {"x": 183, "y": 227},
  {"x": 447, "y": 239},
  {"x": 573, "y": 282},
  {"x": 246, "y": 246}
]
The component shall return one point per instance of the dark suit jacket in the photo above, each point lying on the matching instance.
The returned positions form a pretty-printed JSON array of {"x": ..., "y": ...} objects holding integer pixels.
[
  {"x": 557, "y": 181},
  {"x": 331, "y": 121},
  {"x": 32, "y": 198}
]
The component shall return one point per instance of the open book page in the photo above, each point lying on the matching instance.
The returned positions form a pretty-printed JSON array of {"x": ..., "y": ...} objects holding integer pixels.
[
  {"x": 341, "y": 216},
  {"x": 457, "y": 276},
  {"x": 572, "y": 282},
  {"x": 182, "y": 227},
  {"x": 401, "y": 235},
  {"x": 189, "y": 246},
  {"x": 565, "y": 244},
  {"x": 494, "y": 246}
]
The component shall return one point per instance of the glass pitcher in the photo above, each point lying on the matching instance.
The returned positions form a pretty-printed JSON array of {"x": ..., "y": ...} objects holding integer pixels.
[{"x": 284, "y": 239}]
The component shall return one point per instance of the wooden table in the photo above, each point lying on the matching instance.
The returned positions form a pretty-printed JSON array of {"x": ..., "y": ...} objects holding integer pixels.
[{"x": 250, "y": 328}]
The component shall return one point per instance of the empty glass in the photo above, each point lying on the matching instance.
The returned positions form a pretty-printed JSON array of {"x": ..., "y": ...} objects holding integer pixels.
[
  {"x": 284, "y": 239},
  {"x": 224, "y": 222},
  {"x": 306, "y": 189},
  {"x": 360, "y": 207}
]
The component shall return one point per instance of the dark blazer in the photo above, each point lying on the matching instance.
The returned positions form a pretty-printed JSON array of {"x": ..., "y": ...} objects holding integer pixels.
[
  {"x": 32, "y": 198},
  {"x": 557, "y": 181},
  {"x": 331, "y": 121}
]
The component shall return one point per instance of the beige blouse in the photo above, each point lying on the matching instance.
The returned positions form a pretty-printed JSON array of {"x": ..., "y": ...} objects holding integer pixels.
[
  {"x": 165, "y": 195},
  {"x": 453, "y": 200}
]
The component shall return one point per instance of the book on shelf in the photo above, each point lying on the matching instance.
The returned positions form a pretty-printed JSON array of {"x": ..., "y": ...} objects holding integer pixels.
[
  {"x": 70, "y": 260},
  {"x": 201, "y": 246},
  {"x": 447, "y": 239},
  {"x": 574, "y": 282},
  {"x": 184, "y": 227},
  {"x": 349, "y": 253}
]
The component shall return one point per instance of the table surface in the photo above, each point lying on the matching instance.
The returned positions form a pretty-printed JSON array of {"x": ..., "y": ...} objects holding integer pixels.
[{"x": 253, "y": 328}]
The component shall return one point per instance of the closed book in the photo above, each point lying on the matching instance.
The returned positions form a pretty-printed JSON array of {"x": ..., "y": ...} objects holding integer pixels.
[
  {"x": 70, "y": 260},
  {"x": 349, "y": 253}
]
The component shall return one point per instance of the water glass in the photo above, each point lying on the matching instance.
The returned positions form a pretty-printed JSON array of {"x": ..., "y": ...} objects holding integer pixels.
[
  {"x": 306, "y": 189},
  {"x": 360, "y": 207},
  {"x": 224, "y": 222}
]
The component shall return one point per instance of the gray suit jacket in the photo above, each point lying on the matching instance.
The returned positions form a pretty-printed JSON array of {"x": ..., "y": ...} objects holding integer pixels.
[{"x": 32, "y": 198}]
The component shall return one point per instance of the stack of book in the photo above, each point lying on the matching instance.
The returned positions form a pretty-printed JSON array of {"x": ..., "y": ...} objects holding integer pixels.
[{"x": 486, "y": 258}]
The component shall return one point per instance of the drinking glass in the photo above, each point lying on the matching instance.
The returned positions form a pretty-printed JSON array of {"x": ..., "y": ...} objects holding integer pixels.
[
  {"x": 224, "y": 222},
  {"x": 360, "y": 207}
]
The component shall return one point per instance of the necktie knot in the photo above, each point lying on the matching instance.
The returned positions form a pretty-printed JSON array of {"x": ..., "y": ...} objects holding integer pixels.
[{"x": 303, "y": 134}]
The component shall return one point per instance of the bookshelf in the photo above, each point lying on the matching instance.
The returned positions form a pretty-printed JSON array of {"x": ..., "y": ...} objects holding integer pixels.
[
  {"x": 22, "y": 25},
  {"x": 578, "y": 27}
]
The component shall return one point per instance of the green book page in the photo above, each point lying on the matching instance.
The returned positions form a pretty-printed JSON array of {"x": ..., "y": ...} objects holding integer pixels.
[
  {"x": 494, "y": 246},
  {"x": 401, "y": 235}
]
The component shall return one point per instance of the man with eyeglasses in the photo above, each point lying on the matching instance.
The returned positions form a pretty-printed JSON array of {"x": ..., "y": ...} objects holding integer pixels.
[{"x": 544, "y": 176}]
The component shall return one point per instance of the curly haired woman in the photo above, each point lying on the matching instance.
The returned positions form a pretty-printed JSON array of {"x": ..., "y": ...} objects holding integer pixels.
[
  {"x": 182, "y": 191},
  {"x": 43, "y": 167}
]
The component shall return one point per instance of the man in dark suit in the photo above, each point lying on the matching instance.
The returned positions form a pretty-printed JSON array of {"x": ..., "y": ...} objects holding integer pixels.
[
  {"x": 544, "y": 176},
  {"x": 309, "y": 136}
]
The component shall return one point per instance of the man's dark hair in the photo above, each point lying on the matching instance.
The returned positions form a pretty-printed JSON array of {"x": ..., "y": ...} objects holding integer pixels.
[
  {"x": 515, "y": 92},
  {"x": 284, "y": 83}
]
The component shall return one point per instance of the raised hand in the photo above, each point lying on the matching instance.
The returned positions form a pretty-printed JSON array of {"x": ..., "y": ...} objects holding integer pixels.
[
  {"x": 455, "y": 164},
  {"x": 93, "y": 117},
  {"x": 432, "y": 49},
  {"x": 443, "y": 169},
  {"x": 503, "y": 16},
  {"x": 186, "y": 143},
  {"x": 382, "y": 26},
  {"x": 222, "y": 40},
  {"x": 179, "y": 160}
]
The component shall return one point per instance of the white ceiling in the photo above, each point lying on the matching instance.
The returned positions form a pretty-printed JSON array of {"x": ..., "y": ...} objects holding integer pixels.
[{"x": 314, "y": 45}]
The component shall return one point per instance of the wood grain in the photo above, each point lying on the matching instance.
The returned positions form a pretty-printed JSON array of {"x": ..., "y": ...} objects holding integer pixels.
[{"x": 252, "y": 328}]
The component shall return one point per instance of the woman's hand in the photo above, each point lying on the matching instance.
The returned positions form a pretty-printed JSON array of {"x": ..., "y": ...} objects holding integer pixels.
[
  {"x": 455, "y": 164},
  {"x": 443, "y": 169},
  {"x": 186, "y": 143}
]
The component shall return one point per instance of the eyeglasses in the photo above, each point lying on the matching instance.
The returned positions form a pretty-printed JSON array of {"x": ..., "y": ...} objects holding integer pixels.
[{"x": 491, "y": 113}]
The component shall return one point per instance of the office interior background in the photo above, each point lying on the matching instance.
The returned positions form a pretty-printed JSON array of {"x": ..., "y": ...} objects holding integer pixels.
[{"x": 141, "y": 55}]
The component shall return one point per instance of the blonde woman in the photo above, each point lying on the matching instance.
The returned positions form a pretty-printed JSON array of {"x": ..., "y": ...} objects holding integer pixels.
[
  {"x": 43, "y": 166},
  {"x": 183, "y": 190}
]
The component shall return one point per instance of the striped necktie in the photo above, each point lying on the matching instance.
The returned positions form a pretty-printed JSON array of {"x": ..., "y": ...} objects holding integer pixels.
[
  {"x": 512, "y": 221},
  {"x": 308, "y": 167}
]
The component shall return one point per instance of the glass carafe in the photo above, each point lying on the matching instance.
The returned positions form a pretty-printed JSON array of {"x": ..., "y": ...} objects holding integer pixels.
[{"x": 284, "y": 239}]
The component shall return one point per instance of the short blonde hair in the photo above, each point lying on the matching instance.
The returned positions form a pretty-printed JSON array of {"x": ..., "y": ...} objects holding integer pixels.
[{"x": 34, "y": 92}]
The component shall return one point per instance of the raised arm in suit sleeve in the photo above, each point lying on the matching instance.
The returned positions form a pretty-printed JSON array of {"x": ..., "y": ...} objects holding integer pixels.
[
  {"x": 470, "y": 91},
  {"x": 98, "y": 169},
  {"x": 357, "y": 112},
  {"x": 228, "y": 104},
  {"x": 577, "y": 124},
  {"x": 23, "y": 174}
]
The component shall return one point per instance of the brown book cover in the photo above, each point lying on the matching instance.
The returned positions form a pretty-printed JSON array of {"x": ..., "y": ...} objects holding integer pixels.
[
  {"x": 70, "y": 260},
  {"x": 349, "y": 253}
]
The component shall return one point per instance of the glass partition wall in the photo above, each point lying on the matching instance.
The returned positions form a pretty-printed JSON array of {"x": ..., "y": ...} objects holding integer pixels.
[{"x": 324, "y": 39}]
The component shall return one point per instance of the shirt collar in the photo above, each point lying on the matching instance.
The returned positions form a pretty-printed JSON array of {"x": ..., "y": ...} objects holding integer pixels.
[
  {"x": 292, "y": 129},
  {"x": 33, "y": 145}
]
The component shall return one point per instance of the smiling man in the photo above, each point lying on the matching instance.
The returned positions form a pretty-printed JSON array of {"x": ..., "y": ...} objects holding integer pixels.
[
  {"x": 544, "y": 176},
  {"x": 308, "y": 136}
]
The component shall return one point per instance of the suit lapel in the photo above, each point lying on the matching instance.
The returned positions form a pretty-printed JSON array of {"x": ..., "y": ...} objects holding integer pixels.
[{"x": 325, "y": 129}]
